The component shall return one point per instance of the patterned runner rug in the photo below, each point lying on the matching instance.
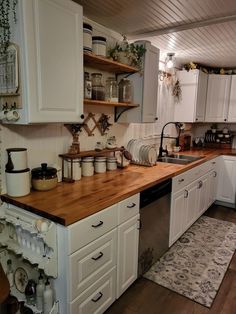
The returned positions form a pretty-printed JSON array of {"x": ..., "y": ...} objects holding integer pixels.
[{"x": 196, "y": 264}]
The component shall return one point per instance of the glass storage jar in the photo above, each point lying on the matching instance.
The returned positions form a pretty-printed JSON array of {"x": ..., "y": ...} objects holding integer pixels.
[
  {"x": 98, "y": 90},
  {"x": 125, "y": 91},
  {"x": 87, "y": 86},
  {"x": 111, "y": 90}
]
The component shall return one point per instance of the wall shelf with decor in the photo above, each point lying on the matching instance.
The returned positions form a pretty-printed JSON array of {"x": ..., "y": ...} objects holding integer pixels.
[{"x": 108, "y": 65}]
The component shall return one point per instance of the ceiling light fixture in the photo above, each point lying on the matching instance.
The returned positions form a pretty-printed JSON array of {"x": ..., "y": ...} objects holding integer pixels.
[{"x": 170, "y": 60}]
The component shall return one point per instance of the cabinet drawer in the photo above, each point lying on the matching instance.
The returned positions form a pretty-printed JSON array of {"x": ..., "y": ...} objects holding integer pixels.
[
  {"x": 98, "y": 297},
  {"x": 128, "y": 208},
  {"x": 90, "y": 228},
  {"x": 91, "y": 262}
]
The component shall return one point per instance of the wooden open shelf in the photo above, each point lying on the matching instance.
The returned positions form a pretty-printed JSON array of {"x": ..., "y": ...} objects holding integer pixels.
[
  {"x": 91, "y": 153},
  {"x": 108, "y": 65},
  {"x": 108, "y": 103}
]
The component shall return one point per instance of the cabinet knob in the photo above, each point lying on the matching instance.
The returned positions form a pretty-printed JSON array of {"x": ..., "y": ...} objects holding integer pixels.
[
  {"x": 181, "y": 180},
  {"x": 82, "y": 116},
  {"x": 196, "y": 119},
  {"x": 156, "y": 118},
  {"x": 225, "y": 119}
]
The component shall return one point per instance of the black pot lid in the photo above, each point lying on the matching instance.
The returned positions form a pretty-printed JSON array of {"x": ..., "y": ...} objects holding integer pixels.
[{"x": 43, "y": 171}]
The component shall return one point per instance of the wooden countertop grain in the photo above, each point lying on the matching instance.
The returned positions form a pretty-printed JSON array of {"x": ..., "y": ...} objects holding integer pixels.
[{"x": 70, "y": 202}]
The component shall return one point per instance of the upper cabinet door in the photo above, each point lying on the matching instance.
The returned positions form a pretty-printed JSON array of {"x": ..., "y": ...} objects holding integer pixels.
[
  {"x": 52, "y": 60},
  {"x": 232, "y": 101},
  {"x": 191, "y": 106},
  {"x": 218, "y": 98},
  {"x": 201, "y": 97}
]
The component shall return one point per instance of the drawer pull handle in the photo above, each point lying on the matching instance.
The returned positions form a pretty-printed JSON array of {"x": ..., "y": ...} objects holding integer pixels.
[
  {"x": 215, "y": 174},
  {"x": 200, "y": 184},
  {"x": 98, "y": 225},
  {"x": 185, "y": 193},
  {"x": 181, "y": 180},
  {"x": 98, "y": 257},
  {"x": 98, "y": 298},
  {"x": 213, "y": 162},
  {"x": 131, "y": 206}
]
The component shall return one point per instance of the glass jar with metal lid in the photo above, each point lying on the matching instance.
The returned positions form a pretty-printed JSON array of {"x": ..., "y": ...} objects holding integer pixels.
[
  {"x": 111, "y": 90},
  {"x": 98, "y": 89},
  {"x": 125, "y": 91}
]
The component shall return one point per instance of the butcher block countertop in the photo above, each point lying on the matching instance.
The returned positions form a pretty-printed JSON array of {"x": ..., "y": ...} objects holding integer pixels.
[{"x": 70, "y": 202}]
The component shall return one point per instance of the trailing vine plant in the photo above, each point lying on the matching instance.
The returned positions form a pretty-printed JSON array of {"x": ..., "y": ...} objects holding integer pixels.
[{"x": 7, "y": 16}]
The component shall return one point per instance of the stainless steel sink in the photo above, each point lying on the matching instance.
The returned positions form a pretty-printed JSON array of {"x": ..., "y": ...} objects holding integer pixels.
[
  {"x": 187, "y": 157},
  {"x": 179, "y": 159}
]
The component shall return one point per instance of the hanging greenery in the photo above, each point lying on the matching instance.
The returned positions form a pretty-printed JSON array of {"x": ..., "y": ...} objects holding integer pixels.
[{"x": 7, "y": 17}]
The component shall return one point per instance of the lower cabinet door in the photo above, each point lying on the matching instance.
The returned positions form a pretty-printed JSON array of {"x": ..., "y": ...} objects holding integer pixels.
[
  {"x": 98, "y": 297},
  {"x": 177, "y": 215},
  {"x": 127, "y": 262},
  {"x": 226, "y": 181}
]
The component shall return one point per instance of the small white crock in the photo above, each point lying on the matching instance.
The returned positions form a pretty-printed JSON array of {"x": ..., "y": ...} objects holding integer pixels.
[
  {"x": 17, "y": 159},
  {"x": 18, "y": 183}
]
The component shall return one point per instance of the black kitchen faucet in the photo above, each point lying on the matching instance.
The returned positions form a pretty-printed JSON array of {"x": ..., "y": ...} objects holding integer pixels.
[{"x": 161, "y": 149}]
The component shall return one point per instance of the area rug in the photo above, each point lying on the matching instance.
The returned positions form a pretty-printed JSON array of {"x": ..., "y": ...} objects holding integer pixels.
[{"x": 196, "y": 264}]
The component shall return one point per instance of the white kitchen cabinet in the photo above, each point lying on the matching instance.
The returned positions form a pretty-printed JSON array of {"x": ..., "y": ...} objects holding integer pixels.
[
  {"x": 213, "y": 182},
  {"x": 192, "y": 194},
  {"x": 127, "y": 266},
  {"x": 102, "y": 256},
  {"x": 217, "y": 104},
  {"x": 227, "y": 179},
  {"x": 203, "y": 194},
  {"x": 191, "y": 106},
  {"x": 49, "y": 35},
  {"x": 145, "y": 86},
  {"x": 232, "y": 100},
  {"x": 178, "y": 215}
]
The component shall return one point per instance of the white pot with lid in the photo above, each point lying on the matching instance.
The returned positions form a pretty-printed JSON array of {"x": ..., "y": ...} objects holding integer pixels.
[{"x": 17, "y": 159}]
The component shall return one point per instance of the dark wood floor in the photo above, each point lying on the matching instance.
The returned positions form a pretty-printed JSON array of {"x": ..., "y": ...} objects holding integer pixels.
[{"x": 146, "y": 297}]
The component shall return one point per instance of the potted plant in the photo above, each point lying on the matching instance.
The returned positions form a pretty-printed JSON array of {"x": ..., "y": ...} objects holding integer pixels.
[
  {"x": 214, "y": 127},
  {"x": 131, "y": 54}
]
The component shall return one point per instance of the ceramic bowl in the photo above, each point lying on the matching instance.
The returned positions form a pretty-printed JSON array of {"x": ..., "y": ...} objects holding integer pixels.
[{"x": 220, "y": 135}]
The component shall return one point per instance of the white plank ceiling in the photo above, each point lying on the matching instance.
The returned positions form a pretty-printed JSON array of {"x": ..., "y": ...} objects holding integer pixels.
[{"x": 202, "y": 31}]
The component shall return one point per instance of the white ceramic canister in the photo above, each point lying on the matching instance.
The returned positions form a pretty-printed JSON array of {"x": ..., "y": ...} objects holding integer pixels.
[
  {"x": 99, "y": 45},
  {"x": 18, "y": 183},
  {"x": 87, "y": 37},
  {"x": 17, "y": 159},
  {"x": 76, "y": 168},
  {"x": 100, "y": 164},
  {"x": 111, "y": 163},
  {"x": 87, "y": 166}
]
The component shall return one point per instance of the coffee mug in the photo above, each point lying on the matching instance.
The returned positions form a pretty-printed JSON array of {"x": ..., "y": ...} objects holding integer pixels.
[{"x": 12, "y": 115}]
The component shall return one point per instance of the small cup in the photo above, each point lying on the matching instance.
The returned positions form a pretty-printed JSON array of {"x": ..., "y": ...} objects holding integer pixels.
[
  {"x": 12, "y": 115},
  {"x": 176, "y": 149}
]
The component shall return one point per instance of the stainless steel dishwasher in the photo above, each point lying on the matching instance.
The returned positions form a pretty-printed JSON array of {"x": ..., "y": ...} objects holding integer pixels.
[{"x": 155, "y": 224}]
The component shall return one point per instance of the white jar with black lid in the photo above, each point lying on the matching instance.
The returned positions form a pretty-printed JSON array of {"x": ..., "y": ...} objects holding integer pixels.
[
  {"x": 87, "y": 37},
  {"x": 99, "y": 45},
  {"x": 100, "y": 164}
]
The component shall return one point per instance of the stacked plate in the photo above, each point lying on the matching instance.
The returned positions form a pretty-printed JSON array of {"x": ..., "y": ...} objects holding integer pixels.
[{"x": 142, "y": 154}]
